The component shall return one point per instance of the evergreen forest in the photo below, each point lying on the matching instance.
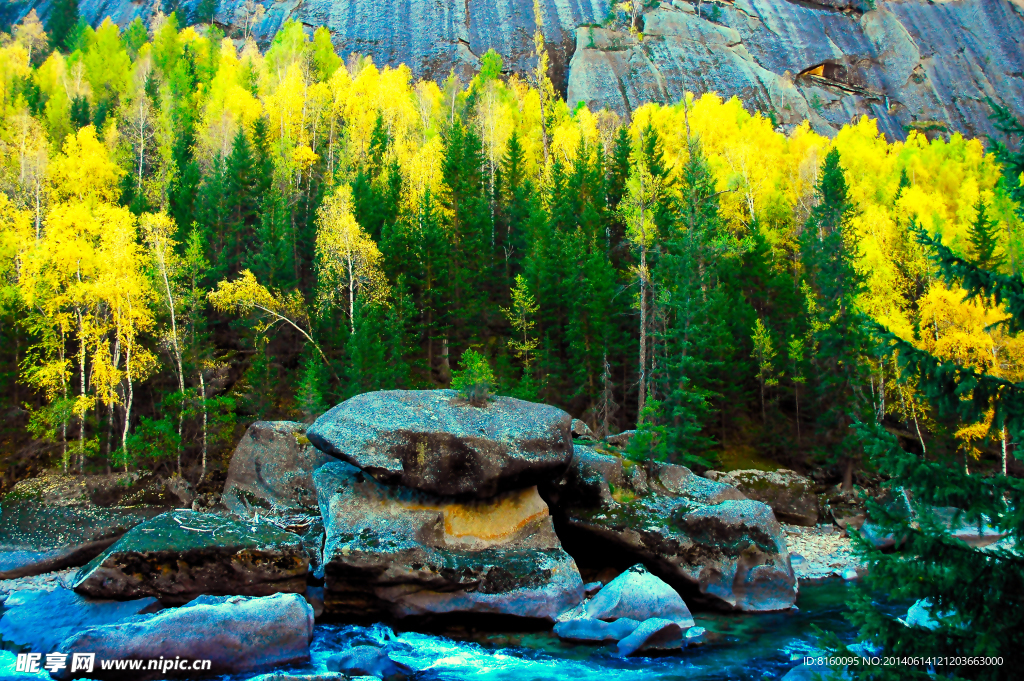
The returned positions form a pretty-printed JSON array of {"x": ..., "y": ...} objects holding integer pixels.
[{"x": 197, "y": 232}]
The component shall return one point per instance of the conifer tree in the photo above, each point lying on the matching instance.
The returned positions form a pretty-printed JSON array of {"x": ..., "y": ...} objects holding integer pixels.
[
  {"x": 694, "y": 305},
  {"x": 831, "y": 286},
  {"x": 984, "y": 240},
  {"x": 970, "y": 593}
]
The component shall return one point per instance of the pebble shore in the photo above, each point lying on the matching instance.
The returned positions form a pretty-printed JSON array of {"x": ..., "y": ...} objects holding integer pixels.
[{"x": 820, "y": 552}]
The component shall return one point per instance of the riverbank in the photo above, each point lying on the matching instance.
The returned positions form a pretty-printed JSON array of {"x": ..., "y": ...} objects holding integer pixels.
[{"x": 821, "y": 552}]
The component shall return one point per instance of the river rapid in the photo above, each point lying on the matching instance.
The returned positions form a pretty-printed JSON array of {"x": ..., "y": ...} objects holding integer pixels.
[{"x": 739, "y": 646}]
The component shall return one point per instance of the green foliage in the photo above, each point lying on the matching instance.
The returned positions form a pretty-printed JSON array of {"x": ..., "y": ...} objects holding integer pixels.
[
  {"x": 984, "y": 240},
  {"x": 971, "y": 591},
  {"x": 490, "y": 66},
  {"x": 312, "y": 389},
  {"x": 134, "y": 37},
  {"x": 693, "y": 303},
  {"x": 474, "y": 378},
  {"x": 61, "y": 22},
  {"x": 651, "y": 440},
  {"x": 831, "y": 287},
  {"x": 325, "y": 58}
]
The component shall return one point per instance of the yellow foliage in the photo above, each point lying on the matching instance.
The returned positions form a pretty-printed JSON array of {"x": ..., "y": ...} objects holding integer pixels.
[{"x": 84, "y": 171}]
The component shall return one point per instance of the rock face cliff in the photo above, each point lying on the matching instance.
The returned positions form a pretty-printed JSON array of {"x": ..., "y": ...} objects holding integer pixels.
[
  {"x": 921, "y": 64},
  {"x": 911, "y": 64}
]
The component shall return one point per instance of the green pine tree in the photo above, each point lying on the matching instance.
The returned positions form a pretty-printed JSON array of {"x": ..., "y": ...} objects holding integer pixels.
[
  {"x": 984, "y": 240},
  {"x": 831, "y": 285}
]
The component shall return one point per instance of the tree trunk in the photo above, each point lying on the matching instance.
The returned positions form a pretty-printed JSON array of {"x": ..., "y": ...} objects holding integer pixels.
[
  {"x": 1004, "y": 450},
  {"x": 202, "y": 389},
  {"x": 643, "y": 334},
  {"x": 848, "y": 475},
  {"x": 127, "y": 404}
]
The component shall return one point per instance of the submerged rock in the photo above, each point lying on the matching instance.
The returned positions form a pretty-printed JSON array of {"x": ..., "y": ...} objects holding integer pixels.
[
  {"x": 637, "y": 594},
  {"x": 436, "y": 442},
  {"x": 40, "y": 620},
  {"x": 367, "y": 661},
  {"x": 595, "y": 630},
  {"x": 698, "y": 534},
  {"x": 394, "y": 550},
  {"x": 272, "y": 470},
  {"x": 654, "y": 633},
  {"x": 235, "y": 633},
  {"x": 182, "y": 554},
  {"x": 790, "y": 495}
]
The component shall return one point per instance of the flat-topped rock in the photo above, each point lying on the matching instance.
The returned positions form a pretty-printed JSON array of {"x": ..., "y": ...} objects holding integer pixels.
[
  {"x": 699, "y": 535},
  {"x": 436, "y": 442},
  {"x": 392, "y": 550},
  {"x": 271, "y": 470},
  {"x": 38, "y": 537},
  {"x": 180, "y": 555}
]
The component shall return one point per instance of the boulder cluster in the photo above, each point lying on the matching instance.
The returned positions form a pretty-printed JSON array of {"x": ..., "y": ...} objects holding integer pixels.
[{"x": 417, "y": 504}]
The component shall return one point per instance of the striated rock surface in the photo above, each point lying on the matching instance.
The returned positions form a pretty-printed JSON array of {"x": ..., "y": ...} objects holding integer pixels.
[
  {"x": 436, "y": 442},
  {"x": 913, "y": 64},
  {"x": 701, "y": 536},
  {"x": 272, "y": 470},
  {"x": 394, "y": 550},
  {"x": 183, "y": 554},
  {"x": 791, "y": 495},
  {"x": 235, "y": 633}
]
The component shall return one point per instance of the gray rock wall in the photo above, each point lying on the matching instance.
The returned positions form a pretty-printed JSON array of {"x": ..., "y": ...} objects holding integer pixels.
[{"x": 910, "y": 63}]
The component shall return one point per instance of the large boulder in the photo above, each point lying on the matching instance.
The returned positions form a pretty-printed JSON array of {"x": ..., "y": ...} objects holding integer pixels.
[
  {"x": 791, "y": 496},
  {"x": 235, "y": 634},
  {"x": 272, "y": 470},
  {"x": 40, "y": 620},
  {"x": 639, "y": 595},
  {"x": 436, "y": 442},
  {"x": 703, "y": 537},
  {"x": 182, "y": 554},
  {"x": 392, "y": 550}
]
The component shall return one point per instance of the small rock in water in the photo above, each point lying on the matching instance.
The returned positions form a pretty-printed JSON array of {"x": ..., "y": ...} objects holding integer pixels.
[
  {"x": 367, "y": 661},
  {"x": 796, "y": 558},
  {"x": 639, "y": 595},
  {"x": 694, "y": 635},
  {"x": 591, "y": 588},
  {"x": 849, "y": 574},
  {"x": 653, "y": 633}
]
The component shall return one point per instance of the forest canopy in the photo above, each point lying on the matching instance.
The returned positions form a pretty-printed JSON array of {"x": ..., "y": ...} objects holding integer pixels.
[{"x": 196, "y": 233}]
